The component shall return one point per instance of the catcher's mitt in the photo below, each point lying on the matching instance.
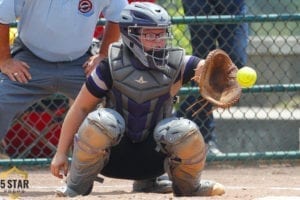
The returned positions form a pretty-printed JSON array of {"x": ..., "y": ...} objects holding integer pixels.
[{"x": 217, "y": 81}]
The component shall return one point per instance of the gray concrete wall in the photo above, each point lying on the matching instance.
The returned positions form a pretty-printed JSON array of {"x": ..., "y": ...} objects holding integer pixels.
[
  {"x": 275, "y": 58},
  {"x": 258, "y": 135},
  {"x": 259, "y": 123}
]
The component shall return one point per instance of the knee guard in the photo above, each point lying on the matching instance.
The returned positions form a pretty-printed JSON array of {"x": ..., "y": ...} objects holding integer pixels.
[
  {"x": 102, "y": 129},
  {"x": 182, "y": 141}
]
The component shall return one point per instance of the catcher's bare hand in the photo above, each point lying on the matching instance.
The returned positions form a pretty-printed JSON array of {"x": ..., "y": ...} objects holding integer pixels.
[
  {"x": 16, "y": 70},
  {"x": 59, "y": 164}
]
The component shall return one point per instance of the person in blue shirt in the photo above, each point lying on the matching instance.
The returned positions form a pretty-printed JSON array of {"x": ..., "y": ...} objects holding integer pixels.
[
  {"x": 121, "y": 123},
  {"x": 50, "y": 54}
]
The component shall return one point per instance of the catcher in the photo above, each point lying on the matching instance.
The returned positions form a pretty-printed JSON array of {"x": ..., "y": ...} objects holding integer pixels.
[{"x": 134, "y": 136}]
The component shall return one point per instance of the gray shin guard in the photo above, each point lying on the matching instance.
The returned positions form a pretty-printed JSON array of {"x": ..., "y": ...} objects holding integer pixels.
[
  {"x": 181, "y": 140},
  {"x": 101, "y": 129}
]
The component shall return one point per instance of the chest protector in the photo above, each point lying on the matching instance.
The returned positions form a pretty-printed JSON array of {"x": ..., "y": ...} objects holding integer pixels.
[{"x": 142, "y": 96}]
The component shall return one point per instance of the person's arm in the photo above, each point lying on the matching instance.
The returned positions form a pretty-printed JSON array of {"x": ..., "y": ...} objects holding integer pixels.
[
  {"x": 4, "y": 44},
  {"x": 187, "y": 72},
  {"x": 16, "y": 70},
  {"x": 111, "y": 34},
  {"x": 84, "y": 103}
]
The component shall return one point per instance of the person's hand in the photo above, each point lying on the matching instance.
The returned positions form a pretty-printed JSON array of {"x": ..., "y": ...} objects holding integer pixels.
[
  {"x": 59, "y": 164},
  {"x": 92, "y": 63},
  {"x": 16, "y": 70}
]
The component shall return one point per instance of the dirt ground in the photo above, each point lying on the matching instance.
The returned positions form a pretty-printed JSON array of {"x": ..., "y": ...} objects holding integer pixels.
[{"x": 264, "y": 182}]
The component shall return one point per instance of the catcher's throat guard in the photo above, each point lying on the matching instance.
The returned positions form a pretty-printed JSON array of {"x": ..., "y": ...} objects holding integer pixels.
[{"x": 217, "y": 82}]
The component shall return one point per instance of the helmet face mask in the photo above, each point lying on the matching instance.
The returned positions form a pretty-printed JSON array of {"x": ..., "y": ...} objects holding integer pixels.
[
  {"x": 145, "y": 30},
  {"x": 154, "y": 43}
]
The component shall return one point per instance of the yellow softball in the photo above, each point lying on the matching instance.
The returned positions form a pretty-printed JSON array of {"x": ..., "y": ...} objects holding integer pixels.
[{"x": 246, "y": 77}]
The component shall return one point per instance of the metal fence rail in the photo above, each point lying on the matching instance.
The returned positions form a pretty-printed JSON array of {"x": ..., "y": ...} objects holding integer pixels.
[
  {"x": 221, "y": 19},
  {"x": 34, "y": 135},
  {"x": 255, "y": 89}
]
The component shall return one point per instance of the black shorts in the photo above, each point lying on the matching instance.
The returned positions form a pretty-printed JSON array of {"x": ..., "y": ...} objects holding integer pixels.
[{"x": 135, "y": 160}]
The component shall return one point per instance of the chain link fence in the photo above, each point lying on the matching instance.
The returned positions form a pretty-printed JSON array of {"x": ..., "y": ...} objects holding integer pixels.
[
  {"x": 263, "y": 125},
  {"x": 35, "y": 133}
]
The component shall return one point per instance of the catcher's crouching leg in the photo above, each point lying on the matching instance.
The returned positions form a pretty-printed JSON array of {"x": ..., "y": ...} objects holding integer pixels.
[
  {"x": 181, "y": 140},
  {"x": 102, "y": 129}
]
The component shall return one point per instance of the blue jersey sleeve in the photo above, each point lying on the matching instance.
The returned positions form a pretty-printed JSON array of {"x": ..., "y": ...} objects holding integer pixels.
[
  {"x": 100, "y": 81},
  {"x": 190, "y": 67}
]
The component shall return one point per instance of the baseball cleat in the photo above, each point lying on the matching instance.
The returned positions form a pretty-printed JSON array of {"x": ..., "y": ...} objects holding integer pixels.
[
  {"x": 207, "y": 188},
  {"x": 160, "y": 185},
  {"x": 65, "y": 191}
]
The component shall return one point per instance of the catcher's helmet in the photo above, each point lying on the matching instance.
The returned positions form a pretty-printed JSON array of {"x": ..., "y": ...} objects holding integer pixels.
[{"x": 141, "y": 15}]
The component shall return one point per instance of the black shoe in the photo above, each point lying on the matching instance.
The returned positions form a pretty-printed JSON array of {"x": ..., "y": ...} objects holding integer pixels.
[{"x": 160, "y": 185}]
